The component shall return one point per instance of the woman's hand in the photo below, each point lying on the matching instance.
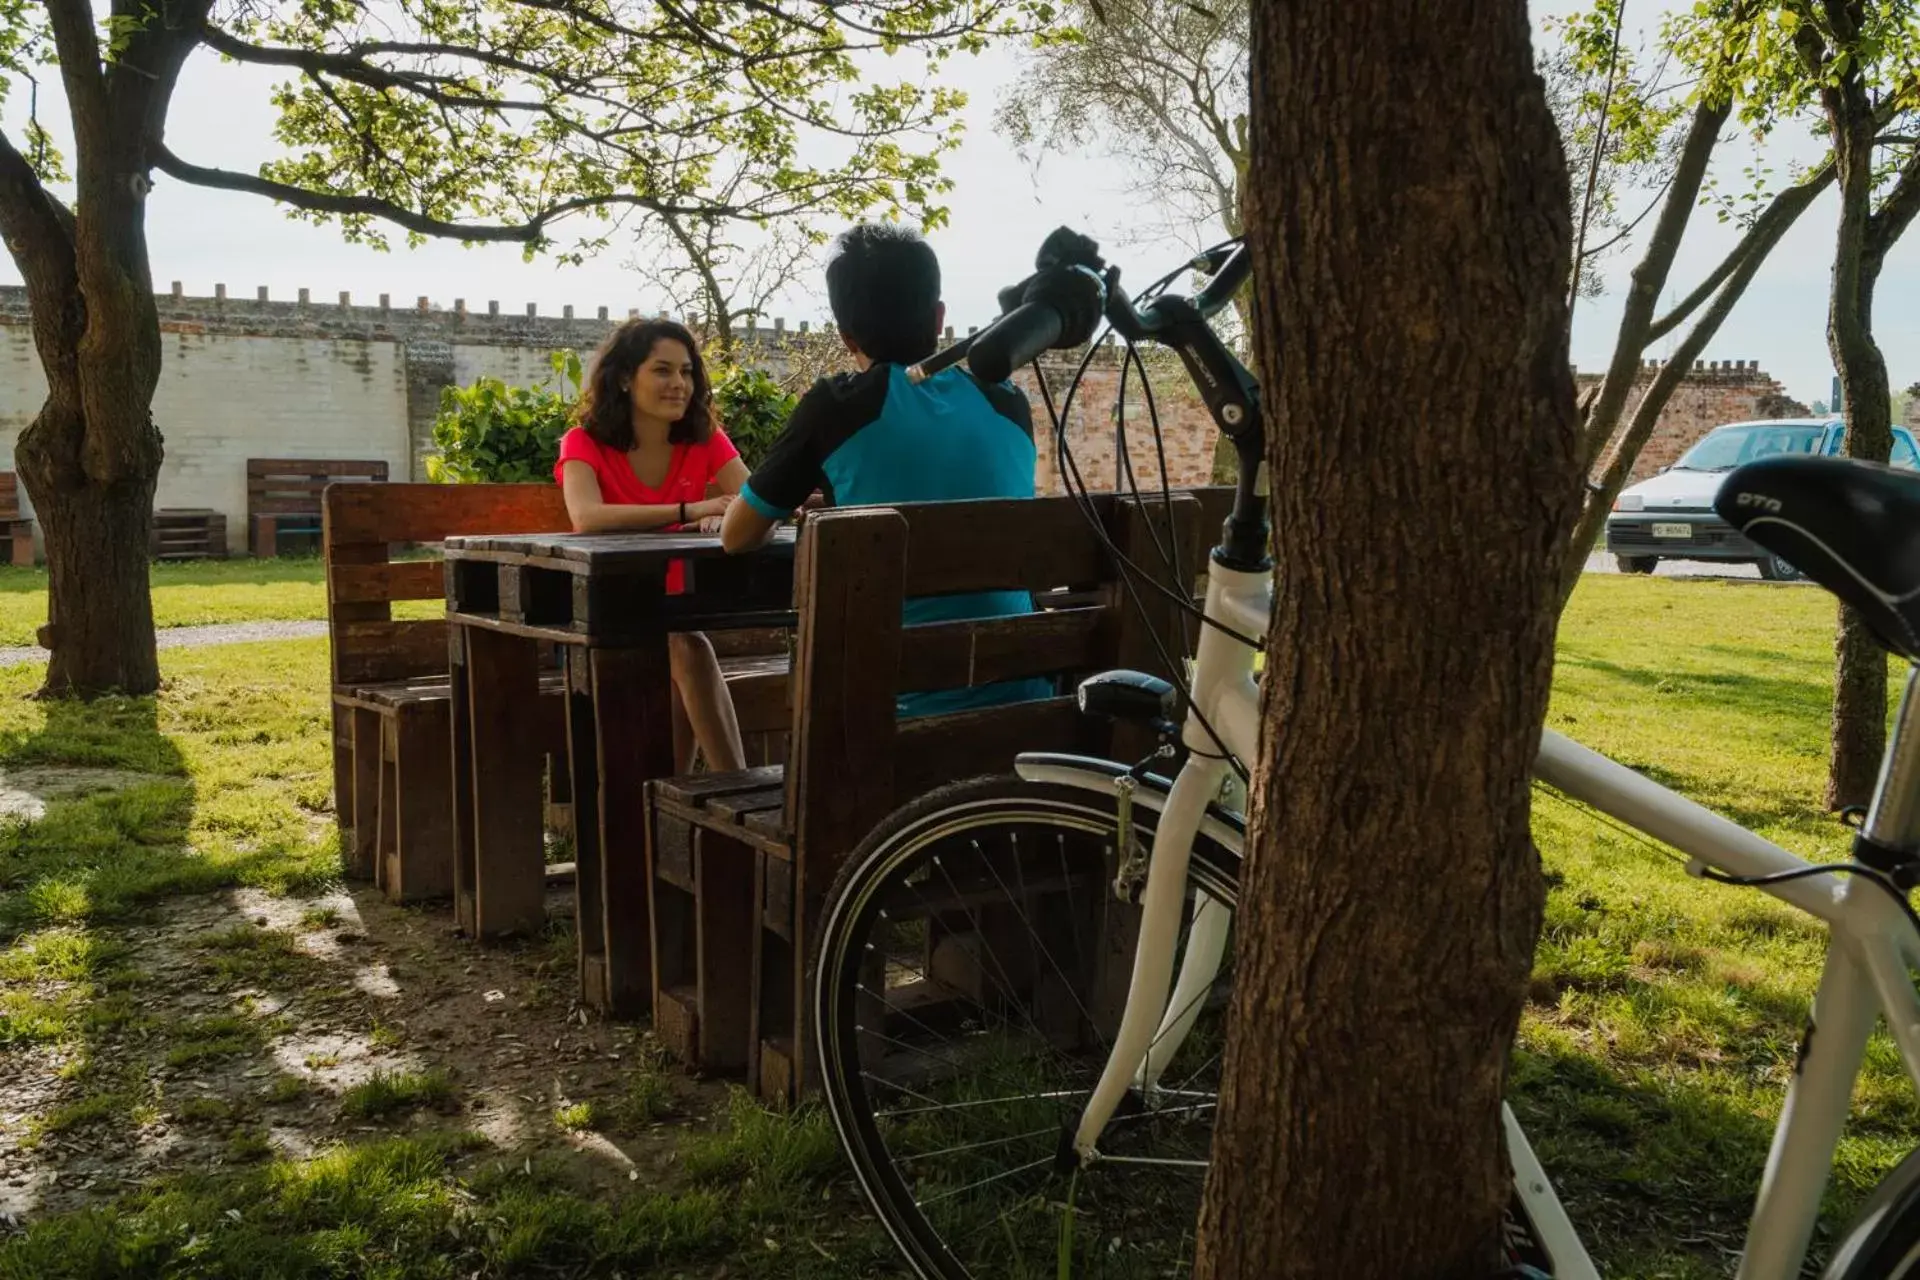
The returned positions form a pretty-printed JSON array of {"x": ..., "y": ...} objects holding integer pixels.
[
  {"x": 711, "y": 524},
  {"x": 712, "y": 507}
]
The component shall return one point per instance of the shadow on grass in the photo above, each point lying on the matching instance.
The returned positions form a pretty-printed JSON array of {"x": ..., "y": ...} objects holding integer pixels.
[{"x": 1766, "y": 698}]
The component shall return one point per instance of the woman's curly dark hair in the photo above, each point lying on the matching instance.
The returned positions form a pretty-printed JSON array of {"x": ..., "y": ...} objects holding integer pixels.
[{"x": 605, "y": 408}]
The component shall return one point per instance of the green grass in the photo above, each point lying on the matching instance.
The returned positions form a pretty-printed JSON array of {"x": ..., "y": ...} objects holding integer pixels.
[
  {"x": 1665, "y": 1010},
  {"x": 396, "y": 1093},
  {"x": 1661, "y": 1029}
]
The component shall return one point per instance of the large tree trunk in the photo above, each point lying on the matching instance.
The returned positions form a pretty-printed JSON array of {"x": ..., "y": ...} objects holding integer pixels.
[
  {"x": 99, "y": 609},
  {"x": 1411, "y": 230}
]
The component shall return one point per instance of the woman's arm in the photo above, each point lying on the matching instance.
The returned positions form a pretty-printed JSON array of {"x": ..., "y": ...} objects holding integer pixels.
[{"x": 591, "y": 514}]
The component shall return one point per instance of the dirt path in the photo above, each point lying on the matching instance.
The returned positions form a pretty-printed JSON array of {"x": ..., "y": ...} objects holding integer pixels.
[{"x": 193, "y": 637}]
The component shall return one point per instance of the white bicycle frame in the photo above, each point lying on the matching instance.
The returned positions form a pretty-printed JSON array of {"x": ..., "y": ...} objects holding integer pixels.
[{"x": 1866, "y": 972}]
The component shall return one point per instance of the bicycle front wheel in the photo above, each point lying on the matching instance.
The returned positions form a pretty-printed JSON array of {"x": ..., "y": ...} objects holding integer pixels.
[{"x": 972, "y": 968}]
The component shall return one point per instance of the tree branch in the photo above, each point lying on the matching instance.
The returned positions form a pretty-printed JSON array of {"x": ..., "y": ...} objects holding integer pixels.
[
  {"x": 1888, "y": 223},
  {"x": 1787, "y": 206},
  {"x": 86, "y": 85},
  {"x": 533, "y": 229}
]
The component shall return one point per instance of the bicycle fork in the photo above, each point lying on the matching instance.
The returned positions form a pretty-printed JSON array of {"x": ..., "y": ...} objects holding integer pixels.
[{"x": 1152, "y": 1028}]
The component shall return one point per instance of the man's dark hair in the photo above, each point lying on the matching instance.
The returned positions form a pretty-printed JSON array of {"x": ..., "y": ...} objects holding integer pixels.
[{"x": 883, "y": 283}]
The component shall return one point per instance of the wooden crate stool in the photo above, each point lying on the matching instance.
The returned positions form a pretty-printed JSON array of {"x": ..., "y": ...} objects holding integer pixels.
[
  {"x": 755, "y": 852},
  {"x": 188, "y": 533},
  {"x": 20, "y": 549}
]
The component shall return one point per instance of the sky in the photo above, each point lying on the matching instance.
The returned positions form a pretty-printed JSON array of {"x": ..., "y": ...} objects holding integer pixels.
[{"x": 1001, "y": 208}]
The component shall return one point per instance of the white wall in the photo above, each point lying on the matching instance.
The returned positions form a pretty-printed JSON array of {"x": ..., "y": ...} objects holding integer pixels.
[{"x": 222, "y": 400}]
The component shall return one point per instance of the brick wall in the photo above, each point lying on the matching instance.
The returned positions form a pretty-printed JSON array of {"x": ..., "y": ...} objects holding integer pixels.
[
  {"x": 1187, "y": 429},
  {"x": 1712, "y": 394}
]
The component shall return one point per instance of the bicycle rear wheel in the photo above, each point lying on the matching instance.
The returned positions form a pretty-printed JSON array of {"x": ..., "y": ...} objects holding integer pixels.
[{"x": 971, "y": 972}]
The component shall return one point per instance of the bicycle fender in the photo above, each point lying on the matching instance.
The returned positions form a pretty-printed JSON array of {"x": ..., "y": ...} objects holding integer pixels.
[{"x": 1089, "y": 773}]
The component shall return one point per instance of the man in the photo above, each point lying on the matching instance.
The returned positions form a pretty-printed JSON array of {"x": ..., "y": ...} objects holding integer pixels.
[{"x": 873, "y": 438}]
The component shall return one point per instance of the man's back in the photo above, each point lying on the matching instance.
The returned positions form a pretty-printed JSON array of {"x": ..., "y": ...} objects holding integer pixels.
[{"x": 875, "y": 438}]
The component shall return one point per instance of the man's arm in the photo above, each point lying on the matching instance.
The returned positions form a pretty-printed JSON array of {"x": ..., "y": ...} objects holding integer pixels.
[
  {"x": 785, "y": 477},
  {"x": 745, "y": 527}
]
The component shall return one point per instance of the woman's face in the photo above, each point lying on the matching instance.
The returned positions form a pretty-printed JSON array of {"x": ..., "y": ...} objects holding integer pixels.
[{"x": 663, "y": 384}]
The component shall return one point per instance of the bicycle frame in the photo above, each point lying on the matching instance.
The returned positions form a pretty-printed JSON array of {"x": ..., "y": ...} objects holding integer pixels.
[{"x": 1865, "y": 975}]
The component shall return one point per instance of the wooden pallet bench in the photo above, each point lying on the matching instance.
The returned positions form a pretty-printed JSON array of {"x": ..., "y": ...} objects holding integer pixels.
[
  {"x": 284, "y": 495},
  {"x": 742, "y": 862}
]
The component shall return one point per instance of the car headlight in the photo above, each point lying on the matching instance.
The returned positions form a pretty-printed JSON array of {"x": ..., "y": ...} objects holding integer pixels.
[{"x": 1629, "y": 502}]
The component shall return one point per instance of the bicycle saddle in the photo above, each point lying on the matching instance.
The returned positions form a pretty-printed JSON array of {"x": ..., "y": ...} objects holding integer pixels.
[{"x": 1851, "y": 526}]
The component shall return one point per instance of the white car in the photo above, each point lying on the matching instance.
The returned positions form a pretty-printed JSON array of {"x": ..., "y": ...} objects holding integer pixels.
[{"x": 1670, "y": 516}]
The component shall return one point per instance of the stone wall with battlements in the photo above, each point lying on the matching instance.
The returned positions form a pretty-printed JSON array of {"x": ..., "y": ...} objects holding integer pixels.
[
  {"x": 254, "y": 377},
  {"x": 1713, "y": 393}
]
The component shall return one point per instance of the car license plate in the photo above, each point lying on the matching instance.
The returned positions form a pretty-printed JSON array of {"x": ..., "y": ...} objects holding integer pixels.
[{"x": 1673, "y": 531}]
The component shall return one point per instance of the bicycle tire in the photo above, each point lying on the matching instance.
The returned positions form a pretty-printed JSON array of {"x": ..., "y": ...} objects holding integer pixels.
[
  {"x": 1883, "y": 1242},
  {"x": 911, "y": 843}
]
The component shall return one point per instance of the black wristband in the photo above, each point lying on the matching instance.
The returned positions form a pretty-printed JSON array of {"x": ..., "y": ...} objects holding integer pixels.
[{"x": 683, "y": 513}]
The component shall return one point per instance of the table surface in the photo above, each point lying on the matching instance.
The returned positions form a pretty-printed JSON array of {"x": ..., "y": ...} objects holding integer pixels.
[{"x": 593, "y": 553}]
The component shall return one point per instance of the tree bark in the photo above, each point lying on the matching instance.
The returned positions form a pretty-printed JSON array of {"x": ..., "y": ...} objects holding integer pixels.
[{"x": 1411, "y": 227}]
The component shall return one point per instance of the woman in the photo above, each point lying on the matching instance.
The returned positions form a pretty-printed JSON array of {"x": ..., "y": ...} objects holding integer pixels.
[{"x": 645, "y": 455}]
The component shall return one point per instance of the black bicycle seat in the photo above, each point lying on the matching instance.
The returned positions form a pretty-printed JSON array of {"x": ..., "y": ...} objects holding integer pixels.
[{"x": 1851, "y": 526}]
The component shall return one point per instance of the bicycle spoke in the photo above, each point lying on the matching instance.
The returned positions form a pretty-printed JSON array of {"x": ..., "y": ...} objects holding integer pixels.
[{"x": 984, "y": 1182}]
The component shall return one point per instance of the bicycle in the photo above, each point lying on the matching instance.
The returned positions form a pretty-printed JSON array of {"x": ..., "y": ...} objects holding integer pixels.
[{"x": 992, "y": 1086}]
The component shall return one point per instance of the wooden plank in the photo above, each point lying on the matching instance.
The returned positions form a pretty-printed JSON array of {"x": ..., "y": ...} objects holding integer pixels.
[
  {"x": 725, "y": 921},
  {"x": 1152, "y": 621},
  {"x": 849, "y": 585},
  {"x": 751, "y": 642},
  {"x": 672, "y": 856},
  {"x": 693, "y": 789},
  {"x": 370, "y": 467},
  {"x": 420, "y": 864},
  {"x": 733, "y": 808},
  {"x": 436, "y": 512},
  {"x": 583, "y": 767},
  {"x": 1035, "y": 543},
  {"x": 373, "y": 652},
  {"x": 404, "y": 580},
  {"x": 503, "y": 686},
  {"x": 633, "y": 712},
  {"x": 343, "y": 769},
  {"x": 932, "y": 751},
  {"x": 306, "y": 510},
  {"x": 961, "y": 655},
  {"x": 460, "y": 736},
  {"x": 366, "y": 795}
]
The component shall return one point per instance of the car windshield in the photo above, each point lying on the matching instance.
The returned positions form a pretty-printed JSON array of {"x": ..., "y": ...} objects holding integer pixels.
[{"x": 1725, "y": 448}]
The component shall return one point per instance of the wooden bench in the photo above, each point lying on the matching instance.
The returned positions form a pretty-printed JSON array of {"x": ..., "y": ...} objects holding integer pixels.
[
  {"x": 188, "y": 533},
  {"x": 283, "y": 495},
  {"x": 19, "y": 529},
  {"x": 742, "y": 862},
  {"x": 393, "y": 768},
  {"x": 392, "y": 699}
]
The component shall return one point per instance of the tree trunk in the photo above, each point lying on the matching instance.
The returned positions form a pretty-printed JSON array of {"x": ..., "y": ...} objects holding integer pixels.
[
  {"x": 99, "y": 607},
  {"x": 1410, "y": 221}
]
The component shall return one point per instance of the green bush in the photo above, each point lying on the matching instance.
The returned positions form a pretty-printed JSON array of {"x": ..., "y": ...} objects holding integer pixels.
[
  {"x": 491, "y": 433},
  {"x": 753, "y": 407}
]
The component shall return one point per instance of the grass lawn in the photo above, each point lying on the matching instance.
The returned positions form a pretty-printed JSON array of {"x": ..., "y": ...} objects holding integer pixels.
[{"x": 264, "y": 1075}]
